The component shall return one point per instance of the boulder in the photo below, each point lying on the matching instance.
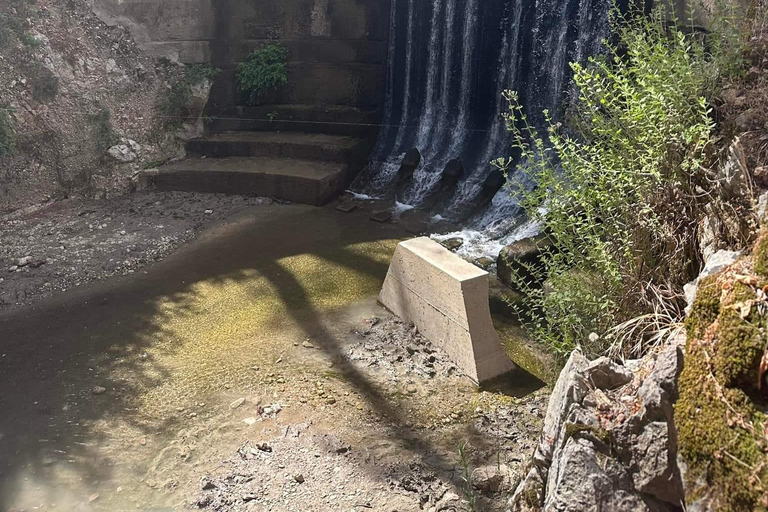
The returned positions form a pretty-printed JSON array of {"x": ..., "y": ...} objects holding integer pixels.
[
  {"x": 454, "y": 171},
  {"x": 521, "y": 260},
  {"x": 493, "y": 183},
  {"x": 716, "y": 263},
  {"x": 608, "y": 450},
  {"x": 410, "y": 162},
  {"x": 127, "y": 151},
  {"x": 605, "y": 374}
]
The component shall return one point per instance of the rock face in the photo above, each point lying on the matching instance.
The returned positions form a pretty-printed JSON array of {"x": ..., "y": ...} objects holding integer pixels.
[
  {"x": 75, "y": 87},
  {"x": 519, "y": 261},
  {"x": 609, "y": 441}
]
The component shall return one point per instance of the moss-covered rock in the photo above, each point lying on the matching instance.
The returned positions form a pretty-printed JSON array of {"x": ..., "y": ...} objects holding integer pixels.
[
  {"x": 705, "y": 308},
  {"x": 718, "y": 415},
  {"x": 761, "y": 256},
  {"x": 738, "y": 353}
]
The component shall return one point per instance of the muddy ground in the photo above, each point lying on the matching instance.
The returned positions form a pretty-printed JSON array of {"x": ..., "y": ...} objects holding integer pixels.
[{"x": 251, "y": 369}]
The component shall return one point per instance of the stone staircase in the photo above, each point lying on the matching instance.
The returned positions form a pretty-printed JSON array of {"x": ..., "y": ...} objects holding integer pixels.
[{"x": 301, "y": 153}]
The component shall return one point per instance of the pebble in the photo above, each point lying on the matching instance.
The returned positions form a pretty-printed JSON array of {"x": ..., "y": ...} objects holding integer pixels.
[
  {"x": 98, "y": 390},
  {"x": 208, "y": 212},
  {"x": 26, "y": 260},
  {"x": 237, "y": 403},
  {"x": 249, "y": 421}
]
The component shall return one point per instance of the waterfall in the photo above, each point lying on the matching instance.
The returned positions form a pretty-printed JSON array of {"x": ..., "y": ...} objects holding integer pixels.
[{"x": 449, "y": 62}]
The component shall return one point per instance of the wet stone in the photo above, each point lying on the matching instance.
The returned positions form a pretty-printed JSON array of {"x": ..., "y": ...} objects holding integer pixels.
[
  {"x": 347, "y": 207},
  {"x": 382, "y": 216}
]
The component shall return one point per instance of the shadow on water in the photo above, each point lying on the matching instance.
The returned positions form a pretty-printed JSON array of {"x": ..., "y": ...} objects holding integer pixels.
[{"x": 116, "y": 334}]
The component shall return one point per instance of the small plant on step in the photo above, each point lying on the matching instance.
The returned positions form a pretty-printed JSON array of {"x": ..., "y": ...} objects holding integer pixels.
[
  {"x": 265, "y": 70},
  {"x": 271, "y": 117}
]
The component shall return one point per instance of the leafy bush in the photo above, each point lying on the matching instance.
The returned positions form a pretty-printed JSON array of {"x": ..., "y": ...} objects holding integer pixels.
[
  {"x": 103, "y": 134},
  {"x": 620, "y": 189},
  {"x": 264, "y": 70},
  {"x": 7, "y": 132},
  {"x": 45, "y": 85},
  {"x": 174, "y": 104},
  {"x": 13, "y": 24}
]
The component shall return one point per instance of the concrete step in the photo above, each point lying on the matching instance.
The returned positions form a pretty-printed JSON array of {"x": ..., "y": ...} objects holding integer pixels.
[
  {"x": 301, "y": 146},
  {"x": 300, "y": 181},
  {"x": 330, "y": 120}
]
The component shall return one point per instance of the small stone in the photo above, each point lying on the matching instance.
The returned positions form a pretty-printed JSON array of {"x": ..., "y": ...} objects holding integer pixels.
[
  {"x": 13, "y": 268},
  {"x": 208, "y": 212},
  {"x": 382, "y": 216},
  {"x": 26, "y": 260},
  {"x": 307, "y": 344},
  {"x": 264, "y": 447},
  {"x": 206, "y": 484},
  {"x": 237, "y": 403},
  {"x": 452, "y": 244},
  {"x": 98, "y": 390},
  {"x": 347, "y": 207},
  {"x": 299, "y": 478},
  {"x": 249, "y": 421}
]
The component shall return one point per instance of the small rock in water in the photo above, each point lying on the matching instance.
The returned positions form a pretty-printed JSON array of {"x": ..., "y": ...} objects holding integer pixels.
[
  {"x": 237, "y": 403},
  {"x": 453, "y": 244},
  {"x": 347, "y": 207},
  {"x": 382, "y": 216},
  {"x": 98, "y": 390}
]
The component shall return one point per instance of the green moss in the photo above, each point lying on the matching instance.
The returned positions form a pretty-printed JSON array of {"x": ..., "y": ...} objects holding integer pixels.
[
  {"x": 531, "y": 497},
  {"x": 761, "y": 257},
  {"x": 580, "y": 429},
  {"x": 705, "y": 308},
  {"x": 739, "y": 350},
  {"x": 718, "y": 450}
]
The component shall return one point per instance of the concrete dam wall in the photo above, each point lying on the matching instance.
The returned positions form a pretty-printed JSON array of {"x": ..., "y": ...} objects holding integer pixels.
[{"x": 337, "y": 48}]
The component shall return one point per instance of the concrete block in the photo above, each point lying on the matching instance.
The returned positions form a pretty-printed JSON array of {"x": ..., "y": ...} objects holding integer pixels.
[{"x": 446, "y": 298}]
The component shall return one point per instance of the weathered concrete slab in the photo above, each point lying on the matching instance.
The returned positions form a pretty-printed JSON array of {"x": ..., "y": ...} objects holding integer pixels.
[{"x": 446, "y": 298}]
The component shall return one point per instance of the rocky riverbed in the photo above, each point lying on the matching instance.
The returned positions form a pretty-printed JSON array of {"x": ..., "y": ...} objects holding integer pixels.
[{"x": 63, "y": 245}]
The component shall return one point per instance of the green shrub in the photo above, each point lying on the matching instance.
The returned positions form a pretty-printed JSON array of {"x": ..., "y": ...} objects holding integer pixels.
[
  {"x": 617, "y": 189},
  {"x": 7, "y": 132},
  {"x": 103, "y": 134},
  {"x": 13, "y": 24},
  {"x": 45, "y": 85},
  {"x": 264, "y": 70},
  {"x": 174, "y": 104}
]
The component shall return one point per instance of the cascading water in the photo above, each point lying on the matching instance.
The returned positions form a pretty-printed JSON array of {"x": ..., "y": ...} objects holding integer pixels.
[{"x": 449, "y": 62}]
